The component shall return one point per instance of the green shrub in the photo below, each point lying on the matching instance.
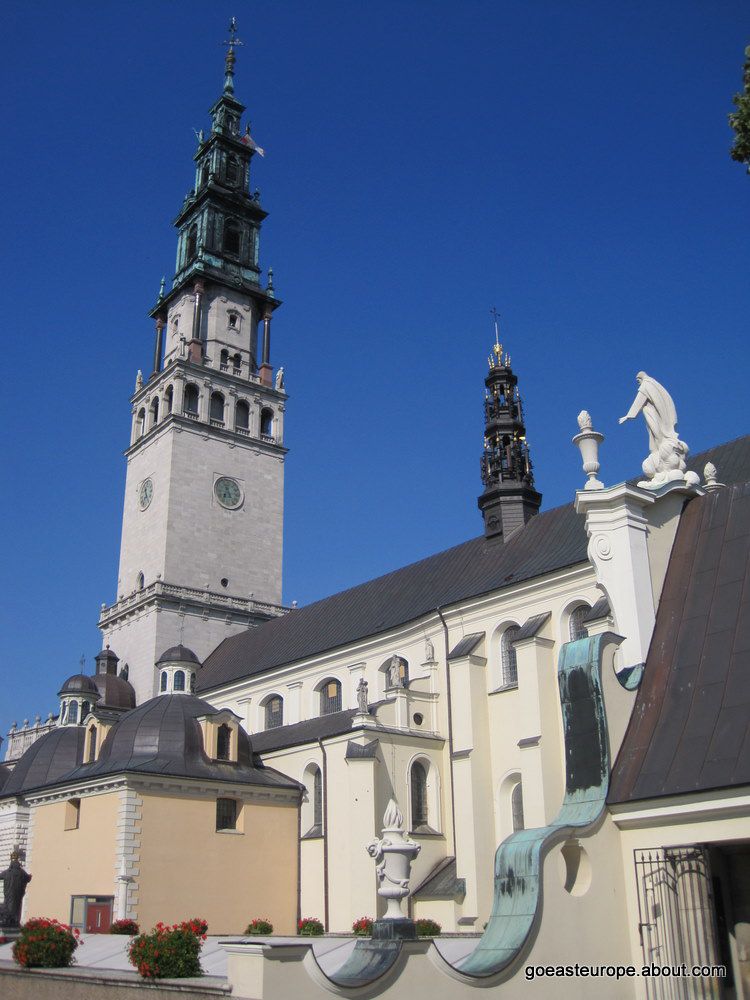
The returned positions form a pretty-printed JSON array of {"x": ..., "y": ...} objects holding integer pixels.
[
  {"x": 169, "y": 952},
  {"x": 124, "y": 927},
  {"x": 427, "y": 928},
  {"x": 45, "y": 944},
  {"x": 259, "y": 926},
  {"x": 363, "y": 927},
  {"x": 310, "y": 927}
]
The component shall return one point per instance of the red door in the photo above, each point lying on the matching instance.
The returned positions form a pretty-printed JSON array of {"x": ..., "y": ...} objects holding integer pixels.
[{"x": 98, "y": 918}]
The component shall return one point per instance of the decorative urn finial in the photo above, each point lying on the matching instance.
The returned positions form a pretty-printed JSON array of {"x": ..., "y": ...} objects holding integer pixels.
[
  {"x": 394, "y": 854},
  {"x": 710, "y": 478},
  {"x": 588, "y": 442}
]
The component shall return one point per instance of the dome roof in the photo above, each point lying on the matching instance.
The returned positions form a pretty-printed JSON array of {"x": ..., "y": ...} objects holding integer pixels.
[
  {"x": 46, "y": 760},
  {"x": 179, "y": 654},
  {"x": 79, "y": 684},
  {"x": 162, "y": 735},
  {"x": 115, "y": 691}
]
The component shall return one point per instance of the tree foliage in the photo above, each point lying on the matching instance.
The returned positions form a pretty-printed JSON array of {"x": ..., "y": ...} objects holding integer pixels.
[{"x": 740, "y": 118}]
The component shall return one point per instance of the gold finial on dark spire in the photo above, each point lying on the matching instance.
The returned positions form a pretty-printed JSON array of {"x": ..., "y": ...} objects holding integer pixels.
[{"x": 231, "y": 42}]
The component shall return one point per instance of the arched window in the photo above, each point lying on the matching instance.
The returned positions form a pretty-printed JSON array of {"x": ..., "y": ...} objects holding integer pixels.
[
  {"x": 233, "y": 170},
  {"x": 224, "y": 360},
  {"x": 73, "y": 711},
  {"x": 233, "y": 321},
  {"x": 192, "y": 243},
  {"x": 192, "y": 682},
  {"x": 191, "y": 398},
  {"x": 242, "y": 415},
  {"x": 318, "y": 799},
  {"x": 418, "y": 783},
  {"x": 179, "y": 681},
  {"x": 85, "y": 709},
  {"x": 169, "y": 398},
  {"x": 516, "y": 807},
  {"x": 223, "y": 742},
  {"x": 508, "y": 656},
  {"x": 140, "y": 581},
  {"x": 231, "y": 238},
  {"x": 217, "y": 407},
  {"x": 330, "y": 697},
  {"x": 163, "y": 681},
  {"x": 141, "y": 422},
  {"x": 92, "y": 744},
  {"x": 576, "y": 628},
  {"x": 154, "y": 411},
  {"x": 204, "y": 174},
  {"x": 237, "y": 362},
  {"x": 274, "y": 712},
  {"x": 266, "y": 423}
]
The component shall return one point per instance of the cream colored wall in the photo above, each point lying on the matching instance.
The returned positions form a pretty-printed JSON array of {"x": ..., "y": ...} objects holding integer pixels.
[
  {"x": 684, "y": 827},
  {"x": 65, "y": 863},
  {"x": 188, "y": 869},
  {"x": 312, "y": 894}
]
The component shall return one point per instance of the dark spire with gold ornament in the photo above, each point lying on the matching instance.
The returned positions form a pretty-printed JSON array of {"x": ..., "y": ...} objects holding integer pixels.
[{"x": 509, "y": 498}]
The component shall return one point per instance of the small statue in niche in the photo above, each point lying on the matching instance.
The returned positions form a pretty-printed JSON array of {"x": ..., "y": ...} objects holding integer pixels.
[
  {"x": 362, "y": 699},
  {"x": 429, "y": 650},
  {"x": 279, "y": 381},
  {"x": 14, "y": 880},
  {"x": 395, "y": 680}
]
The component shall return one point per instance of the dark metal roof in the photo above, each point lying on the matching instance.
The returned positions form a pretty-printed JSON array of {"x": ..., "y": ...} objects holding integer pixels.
[
  {"x": 532, "y": 626},
  {"x": 49, "y": 757},
  {"x": 600, "y": 610},
  {"x": 358, "y": 751},
  {"x": 79, "y": 684},
  {"x": 548, "y": 542},
  {"x": 309, "y": 731},
  {"x": 115, "y": 692},
  {"x": 5, "y": 773},
  {"x": 690, "y": 726},
  {"x": 178, "y": 654},
  {"x": 442, "y": 882},
  {"x": 466, "y": 645}
]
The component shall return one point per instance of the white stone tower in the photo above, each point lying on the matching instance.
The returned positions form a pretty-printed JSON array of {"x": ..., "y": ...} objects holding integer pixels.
[{"x": 200, "y": 556}]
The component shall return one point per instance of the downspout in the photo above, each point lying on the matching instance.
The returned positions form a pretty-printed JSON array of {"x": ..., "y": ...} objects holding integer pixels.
[
  {"x": 325, "y": 833},
  {"x": 450, "y": 729},
  {"x": 299, "y": 860}
]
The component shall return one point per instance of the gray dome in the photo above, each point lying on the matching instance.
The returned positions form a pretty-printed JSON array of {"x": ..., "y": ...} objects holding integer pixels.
[
  {"x": 47, "y": 760},
  {"x": 179, "y": 654},
  {"x": 115, "y": 691},
  {"x": 79, "y": 684},
  {"x": 162, "y": 735}
]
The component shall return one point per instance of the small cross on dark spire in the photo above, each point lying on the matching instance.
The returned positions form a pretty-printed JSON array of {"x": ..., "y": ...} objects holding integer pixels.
[{"x": 231, "y": 42}]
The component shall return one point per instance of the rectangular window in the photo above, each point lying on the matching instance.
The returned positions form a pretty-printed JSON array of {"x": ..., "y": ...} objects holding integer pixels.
[
  {"x": 72, "y": 814},
  {"x": 226, "y": 814}
]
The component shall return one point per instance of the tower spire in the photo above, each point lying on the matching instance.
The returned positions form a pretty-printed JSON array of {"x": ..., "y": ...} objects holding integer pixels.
[
  {"x": 229, "y": 62},
  {"x": 509, "y": 498}
]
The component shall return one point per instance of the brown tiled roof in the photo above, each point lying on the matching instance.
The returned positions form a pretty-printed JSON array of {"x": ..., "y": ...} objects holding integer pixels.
[
  {"x": 690, "y": 726},
  {"x": 548, "y": 542}
]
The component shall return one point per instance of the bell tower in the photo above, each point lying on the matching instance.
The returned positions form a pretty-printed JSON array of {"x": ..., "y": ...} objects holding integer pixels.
[
  {"x": 200, "y": 555},
  {"x": 509, "y": 498}
]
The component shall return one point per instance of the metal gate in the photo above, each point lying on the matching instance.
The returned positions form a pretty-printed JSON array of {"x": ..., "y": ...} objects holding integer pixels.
[{"x": 676, "y": 920}]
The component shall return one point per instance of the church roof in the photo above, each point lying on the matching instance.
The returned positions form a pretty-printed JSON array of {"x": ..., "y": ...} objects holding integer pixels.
[
  {"x": 46, "y": 760},
  {"x": 115, "y": 691},
  {"x": 548, "y": 542},
  {"x": 79, "y": 684},
  {"x": 178, "y": 654},
  {"x": 689, "y": 729},
  {"x": 162, "y": 736},
  {"x": 5, "y": 773}
]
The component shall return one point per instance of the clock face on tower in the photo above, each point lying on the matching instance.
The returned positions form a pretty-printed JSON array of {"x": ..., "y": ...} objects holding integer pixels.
[
  {"x": 228, "y": 492},
  {"x": 145, "y": 493}
]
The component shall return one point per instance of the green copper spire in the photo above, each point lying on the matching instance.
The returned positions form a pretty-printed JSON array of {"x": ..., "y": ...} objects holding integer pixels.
[{"x": 230, "y": 59}]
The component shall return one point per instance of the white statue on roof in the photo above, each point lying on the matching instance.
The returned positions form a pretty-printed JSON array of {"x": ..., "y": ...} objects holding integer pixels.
[{"x": 667, "y": 454}]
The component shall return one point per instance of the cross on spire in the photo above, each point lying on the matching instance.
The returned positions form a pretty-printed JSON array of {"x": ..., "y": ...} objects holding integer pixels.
[
  {"x": 496, "y": 316},
  {"x": 231, "y": 42}
]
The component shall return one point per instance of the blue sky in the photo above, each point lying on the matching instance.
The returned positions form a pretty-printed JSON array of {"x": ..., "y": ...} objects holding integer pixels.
[{"x": 567, "y": 163}]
